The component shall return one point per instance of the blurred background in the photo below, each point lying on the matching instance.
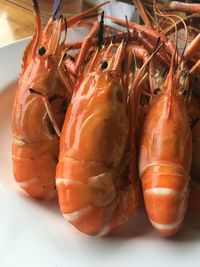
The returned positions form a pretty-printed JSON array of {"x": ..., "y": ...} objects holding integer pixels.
[{"x": 17, "y": 21}]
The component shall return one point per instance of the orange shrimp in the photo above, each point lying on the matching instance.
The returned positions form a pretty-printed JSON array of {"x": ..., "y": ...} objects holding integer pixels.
[
  {"x": 95, "y": 192},
  {"x": 165, "y": 158},
  {"x": 96, "y": 177},
  {"x": 38, "y": 112}
]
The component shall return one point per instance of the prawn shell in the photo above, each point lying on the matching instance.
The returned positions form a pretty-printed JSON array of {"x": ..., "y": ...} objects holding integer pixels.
[
  {"x": 165, "y": 160},
  {"x": 93, "y": 143}
]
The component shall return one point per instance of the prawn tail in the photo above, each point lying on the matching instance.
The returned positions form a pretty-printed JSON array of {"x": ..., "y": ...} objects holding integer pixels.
[
  {"x": 92, "y": 204},
  {"x": 165, "y": 189}
]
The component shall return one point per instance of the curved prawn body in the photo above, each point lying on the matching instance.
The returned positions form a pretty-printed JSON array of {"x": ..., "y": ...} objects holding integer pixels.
[
  {"x": 95, "y": 192},
  {"x": 39, "y": 111},
  {"x": 165, "y": 159}
]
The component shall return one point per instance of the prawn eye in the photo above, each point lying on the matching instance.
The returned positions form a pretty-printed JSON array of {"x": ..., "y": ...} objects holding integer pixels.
[
  {"x": 186, "y": 73},
  {"x": 104, "y": 64},
  {"x": 156, "y": 91},
  {"x": 41, "y": 50}
]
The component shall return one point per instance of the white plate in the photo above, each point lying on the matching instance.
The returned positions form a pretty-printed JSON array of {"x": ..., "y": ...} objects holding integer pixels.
[{"x": 34, "y": 233}]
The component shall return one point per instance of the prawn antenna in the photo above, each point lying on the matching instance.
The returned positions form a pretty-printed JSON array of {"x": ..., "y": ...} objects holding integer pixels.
[
  {"x": 35, "y": 4},
  {"x": 101, "y": 31},
  {"x": 157, "y": 43},
  {"x": 127, "y": 26},
  {"x": 114, "y": 36},
  {"x": 65, "y": 22},
  {"x": 57, "y": 8}
]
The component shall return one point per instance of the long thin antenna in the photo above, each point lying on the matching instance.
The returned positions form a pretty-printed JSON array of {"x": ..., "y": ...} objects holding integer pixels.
[
  {"x": 161, "y": 14},
  {"x": 56, "y": 9},
  {"x": 101, "y": 31},
  {"x": 127, "y": 25},
  {"x": 48, "y": 109},
  {"x": 35, "y": 4}
]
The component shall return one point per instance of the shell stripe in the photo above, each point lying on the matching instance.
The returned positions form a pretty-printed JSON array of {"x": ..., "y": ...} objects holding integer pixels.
[
  {"x": 76, "y": 215},
  {"x": 166, "y": 227},
  {"x": 27, "y": 183},
  {"x": 161, "y": 191}
]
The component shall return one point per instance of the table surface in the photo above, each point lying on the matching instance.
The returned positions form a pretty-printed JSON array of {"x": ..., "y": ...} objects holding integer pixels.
[{"x": 15, "y": 22}]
